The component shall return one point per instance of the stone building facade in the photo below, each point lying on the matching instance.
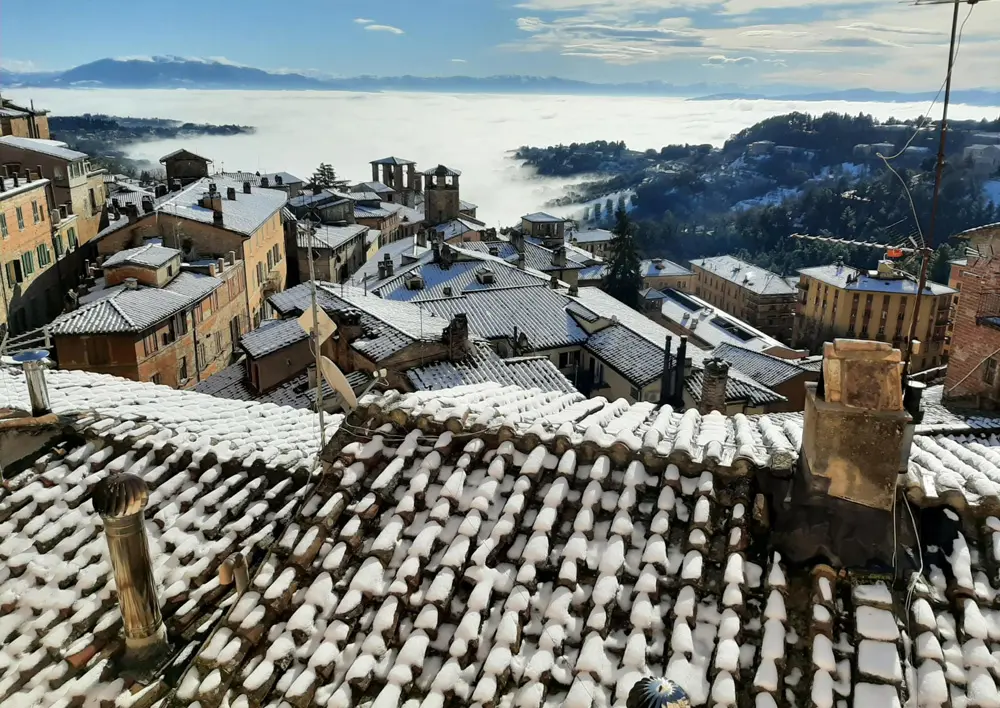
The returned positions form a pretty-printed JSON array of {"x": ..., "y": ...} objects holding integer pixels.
[{"x": 23, "y": 121}]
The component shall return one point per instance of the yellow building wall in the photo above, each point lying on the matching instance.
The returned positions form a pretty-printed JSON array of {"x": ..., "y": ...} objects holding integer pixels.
[
  {"x": 18, "y": 241},
  {"x": 817, "y": 324}
]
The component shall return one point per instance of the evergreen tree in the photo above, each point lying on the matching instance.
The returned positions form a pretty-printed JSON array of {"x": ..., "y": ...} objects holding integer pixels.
[
  {"x": 324, "y": 176},
  {"x": 624, "y": 281}
]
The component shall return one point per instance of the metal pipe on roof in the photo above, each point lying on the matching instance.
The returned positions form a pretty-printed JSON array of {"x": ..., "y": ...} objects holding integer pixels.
[
  {"x": 678, "y": 390},
  {"x": 666, "y": 376}
]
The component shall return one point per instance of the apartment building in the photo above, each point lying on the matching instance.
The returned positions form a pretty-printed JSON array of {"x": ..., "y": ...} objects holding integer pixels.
[
  {"x": 23, "y": 121},
  {"x": 657, "y": 274},
  {"x": 184, "y": 167},
  {"x": 974, "y": 358},
  {"x": 77, "y": 188},
  {"x": 757, "y": 296},
  {"x": 596, "y": 242},
  {"x": 156, "y": 318},
  {"x": 338, "y": 251},
  {"x": 211, "y": 218},
  {"x": 840, "y": 301},
  {"x": 39, "y": 254}
]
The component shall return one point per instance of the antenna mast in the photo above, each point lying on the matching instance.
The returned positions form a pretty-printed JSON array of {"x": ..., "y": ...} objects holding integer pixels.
[{"x": 314, "y": 336}]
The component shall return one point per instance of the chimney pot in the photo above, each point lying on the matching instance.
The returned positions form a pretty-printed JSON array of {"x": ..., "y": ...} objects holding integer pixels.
[
  {"x": 120, "y": 500},
  {"x": 231, "y": 257},
  {"x": 27, "y": 176},
  {"x": 33, "y": 363},
  {"x": 38, "y": 171},
  {"x": 217, "y": 218},
  {"x": 131, "y": 284},
  {"x": 246, "y": 187},
  {"x": 175, "y": 185},
  {"x": 231, "y": 193},
  {"x": 715, "y": 377},
  {"x": 264, "y": 182},
  {"x": 16, "y": 182},
  {"x": 220, "y": 264}
]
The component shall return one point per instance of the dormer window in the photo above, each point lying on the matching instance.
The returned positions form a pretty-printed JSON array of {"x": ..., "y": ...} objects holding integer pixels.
[
  {"x": 415, "y": 282},
  {"x": 485, "y": 276}
]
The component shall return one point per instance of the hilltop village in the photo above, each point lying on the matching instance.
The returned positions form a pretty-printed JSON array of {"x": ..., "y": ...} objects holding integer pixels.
[{"x": 274, "y": 440}]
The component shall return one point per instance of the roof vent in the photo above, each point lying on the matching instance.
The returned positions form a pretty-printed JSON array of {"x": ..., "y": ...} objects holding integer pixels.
[
  {"x": 34, "y": 364},
  {"x": 131, "y": 284},
  {"x": 485, "y": 276},
  {"x": 447, "y": 290},
  {"x": 415, "y": 282},
  {"x": 494, "y": 251}
]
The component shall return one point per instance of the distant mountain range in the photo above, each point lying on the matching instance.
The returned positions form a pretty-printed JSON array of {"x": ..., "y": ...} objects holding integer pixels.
[{"x": 168, "y": 72}]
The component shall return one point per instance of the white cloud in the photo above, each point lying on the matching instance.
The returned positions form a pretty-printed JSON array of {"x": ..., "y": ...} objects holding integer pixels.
[
  {"x": 384, "y": 28},
  {"x": 722, "y": 60},
  {"x": 833, "y": 40},
  {"x": 459, "y": 61},
  {"x": 363, "y": 21},
  {"x": 18, "y": 65}
]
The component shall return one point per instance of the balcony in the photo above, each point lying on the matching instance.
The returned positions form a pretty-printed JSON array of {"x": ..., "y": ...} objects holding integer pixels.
[{"x": 988, "y": 312}]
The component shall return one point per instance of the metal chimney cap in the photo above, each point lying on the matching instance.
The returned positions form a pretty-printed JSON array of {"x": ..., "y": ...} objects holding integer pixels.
[
  {"x": 120, "y": 495},
  {"x": 29, "y": 357}
]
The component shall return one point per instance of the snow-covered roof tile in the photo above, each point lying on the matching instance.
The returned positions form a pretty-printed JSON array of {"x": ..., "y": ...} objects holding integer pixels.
[{"x": 243, "y": 215}]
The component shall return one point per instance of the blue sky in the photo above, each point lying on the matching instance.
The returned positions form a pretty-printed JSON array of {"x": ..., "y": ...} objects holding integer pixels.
[{"x": 877, "y": 43}]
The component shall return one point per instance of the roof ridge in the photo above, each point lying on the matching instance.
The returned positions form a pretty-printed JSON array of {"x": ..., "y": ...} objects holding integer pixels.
[{"x": 114, "y": 304}]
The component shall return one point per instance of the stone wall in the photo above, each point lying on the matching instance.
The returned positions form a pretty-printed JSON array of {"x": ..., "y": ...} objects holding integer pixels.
[{"x": 973, "y": 344}]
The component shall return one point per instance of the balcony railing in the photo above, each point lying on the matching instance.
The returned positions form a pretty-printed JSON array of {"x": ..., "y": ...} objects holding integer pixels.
[{"x": 988, "y": 312}]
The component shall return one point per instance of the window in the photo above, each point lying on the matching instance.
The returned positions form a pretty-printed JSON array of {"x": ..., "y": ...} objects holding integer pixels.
[
  {"x": 44, "y": 255},
  {"x": 170, "y": 270},
  {"x": 34, "y": 210},
  {"x": 28, "y": 262},
  {"x": 71, "y": 237},
  {"x": 60, "y": 246},
  {"x": 564, "y": 360},
  {"x": 150, "y": 344},
  {"x": 156, "y": 378},
  {"x": 3, "y": 225},
  {"x": 97, "y": 350},
  {"x": 990, "y": 371},
  {"x": 15, "y": 274},
  {"x": 635, "y": 393},
  {"x": 867, "y": 316},
  {"x": 181, "y": 324},
  {"x": 182, "y": 369},
  {"x": 270, "y": 260},
  {"x": 93, "y": 202},
  {"x": 260, "y": 274},
  {"x": 20, "y": 218},
  {"x": 168, "y": 336}
]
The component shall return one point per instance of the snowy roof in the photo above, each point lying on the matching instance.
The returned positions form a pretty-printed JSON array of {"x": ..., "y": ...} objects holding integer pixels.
[
  {"x": 634, "y": 357},
  {"x": 482, "y": 365},
  {"x": 712, "y": 325},
  {"x": 649, "y": 268},
  {"x": 373, "y": 187},
  {"x": 126, "y": 310},
  {"x": 272, "y": 336},
  {"x": 535, "y": 256},
  {"x": 223, "y": 475},
  {"x": 398, "y": 251},
  {"x": 442, "y": 171},
  {"x": 466, "y": 206},
  {"x": 746, "y": 275},
  {"x": 9, "y": 190},
  {"x": 254, "y": 178},
  {"x": 53, "y": 148},
  {"x": 457, "y": 227},
  {"x": 491, "y": 546},
  {"x": 310, "y": 199},
  {"x": 150, "y": 255},
  {"x": 591, "y": 236},
  {"x": 182, "y": 151},
  {"x": 243, "y": 215},
  {"x": 393, "y": 161},
  {"x": 848, "y": 278},
  {"x": 383, "y": 211},
  {"x": 232, "y": 383},
  {"x": 331, "y": 237},
  {"x": 387, "y": 326},
  {"x": 540, "y": 217},
  {"x": 762, "y": 368}
]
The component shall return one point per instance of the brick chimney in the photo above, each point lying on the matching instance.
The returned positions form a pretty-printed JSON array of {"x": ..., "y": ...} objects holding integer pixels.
[
  {"x": 559, "y": 257},
  {"x": 715, "y": 377},
  {"x": 839, "y": 504},
  {"x": 456, "y": 337},
  {"x": 120, "y": 500}
]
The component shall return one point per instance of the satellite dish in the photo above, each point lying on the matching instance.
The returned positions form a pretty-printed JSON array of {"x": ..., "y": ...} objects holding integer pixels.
[
  {"x": 338, "y": 382},
  {"x": 327, "y": 327}
]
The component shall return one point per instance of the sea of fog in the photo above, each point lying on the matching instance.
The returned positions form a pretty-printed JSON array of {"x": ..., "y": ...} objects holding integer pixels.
[{"x": 475, "y": 133}]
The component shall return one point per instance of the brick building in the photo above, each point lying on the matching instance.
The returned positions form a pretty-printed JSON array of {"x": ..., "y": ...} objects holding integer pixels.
[
  {"x": 184, "y": 167},
  {"x": 39, "y": 254},
  {"x": 974, "y": 362},
  {"x": 212, "y": 218},
  {"x": 757, "y": 296},
  {"x": 23, "y": 121},
  {"x": 156, "y": 318},
  {"x": 77, "y": 188}
]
